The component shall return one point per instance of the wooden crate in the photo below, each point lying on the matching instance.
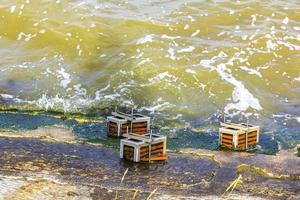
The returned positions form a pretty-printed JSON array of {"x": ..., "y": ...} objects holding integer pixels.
[
  {"x": 120, "y": 123},
  {"x": 238, "y": 136},
  {"x": 136, "y": 148}
]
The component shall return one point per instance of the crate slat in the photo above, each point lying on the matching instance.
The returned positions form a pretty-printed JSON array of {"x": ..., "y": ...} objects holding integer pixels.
[
  {"x": 159, "y": 158},
  {"x": 227, "y": 145},
  {"x": 158, "y": 151},
  {"x": 227, "y": 141},
  {"x": 227, "y": 137},
  {"x": 152, "y": 147}
]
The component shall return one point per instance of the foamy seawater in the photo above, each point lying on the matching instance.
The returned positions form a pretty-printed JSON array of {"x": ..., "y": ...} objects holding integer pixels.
[{"x": 191, "y": 60}]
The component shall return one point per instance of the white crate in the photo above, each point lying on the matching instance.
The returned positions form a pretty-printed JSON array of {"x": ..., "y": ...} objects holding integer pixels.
[
  {"x": 136, "y": 148},
  {"x": 238, "y": 136},
  {"x": 120, "y": 123}
]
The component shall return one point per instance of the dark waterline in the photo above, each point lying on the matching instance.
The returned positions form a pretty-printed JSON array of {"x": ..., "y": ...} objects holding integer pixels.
[{"x": 95, "y": 132}]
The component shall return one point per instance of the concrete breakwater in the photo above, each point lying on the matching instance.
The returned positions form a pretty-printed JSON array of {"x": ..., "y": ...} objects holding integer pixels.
[{"x": 94, "y": 172}]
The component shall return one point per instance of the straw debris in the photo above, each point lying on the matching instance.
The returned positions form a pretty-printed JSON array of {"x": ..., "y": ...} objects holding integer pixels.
[
  {"x": 233, "y": 184},
  {"x": 122, "y": 179}
]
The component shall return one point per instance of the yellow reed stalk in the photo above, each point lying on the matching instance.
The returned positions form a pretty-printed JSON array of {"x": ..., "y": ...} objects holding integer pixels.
[
  {"x": 151, "y": 194},
  {"x": 134, "y": 195},
  {"x": 122, "y": 179}
]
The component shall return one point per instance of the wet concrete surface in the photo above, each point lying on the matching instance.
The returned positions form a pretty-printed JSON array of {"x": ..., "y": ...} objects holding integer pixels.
[{"x": 190, "y": 173}]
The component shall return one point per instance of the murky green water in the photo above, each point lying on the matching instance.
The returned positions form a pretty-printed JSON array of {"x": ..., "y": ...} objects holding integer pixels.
[
  {"x": 96, "y": 132},
  {"x": 184, "y": 60}
]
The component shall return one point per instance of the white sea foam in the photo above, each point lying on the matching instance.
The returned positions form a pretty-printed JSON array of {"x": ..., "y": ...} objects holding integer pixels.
[
  {"x": 171, "y": 52},
  {"x": 186, "y": 27},
  {"x": 251, "y": 71},
  {"x": 164, "y": 36},
  {"x": 241, "y": 97},
  {"x": 211, "y": 94},
  {"x": 223, "y": 33},
  {"x": 270, "y": 45},
  {"x": 6, "y": 96},
  {"x": 195, "y": 33},
  {"x": 157, "y": 107},
  {"x": 58, "y": 102},
  {"x": 66, "y": 77},
  {"x": 23, "y": 66},
  {"x": 289, "y": 45},
  {"x": 253, "y": 19},
  {"x": 49, "y": 102},
  {"x": 12, "y": 9},
  {"x": 40, "y": 21},
  {"x": 191, "y": 18},
  {"x": 99, "y": 94},
  {"x": 190, "y": 71},
  {"x": 79, "y": 90},
  {"x": 79, "y": 49},
  {"x": 161, "y": 76},
  {"x": 202, "y": 86},
  {"x": 287, "y": 117},
  {"x": 147, "y": 60},
  {"x": 145, "y": 39},
  {"x": 42, "y": 31},
  {"x": 286, "y": 20},
  {"x": 188, "y": 49},
  {"x": 244, "y": 37},
  {"x": 112, "y": 96},
  {"x": 206, "y": 63},
  {"x": 26, "y": 36},
  {"x": 283, "y": 27},
  {"x": 242, "y": 100}
]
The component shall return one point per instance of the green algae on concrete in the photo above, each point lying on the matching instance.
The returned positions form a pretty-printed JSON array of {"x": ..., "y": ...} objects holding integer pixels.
[{"x": 264, "y": 173}]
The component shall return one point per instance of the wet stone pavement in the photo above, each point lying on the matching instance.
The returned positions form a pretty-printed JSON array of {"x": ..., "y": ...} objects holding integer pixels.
[{"x": 100, "y": 168}]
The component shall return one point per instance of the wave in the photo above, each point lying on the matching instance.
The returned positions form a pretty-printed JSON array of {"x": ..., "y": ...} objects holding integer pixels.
[{"x": 190, "y": 59}]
